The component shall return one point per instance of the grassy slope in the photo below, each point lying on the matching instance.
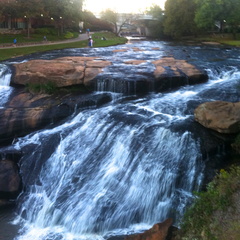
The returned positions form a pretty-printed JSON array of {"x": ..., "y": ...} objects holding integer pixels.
[
  {"x": 111, "y": 39},
  {"x": 215, "y": 213}
]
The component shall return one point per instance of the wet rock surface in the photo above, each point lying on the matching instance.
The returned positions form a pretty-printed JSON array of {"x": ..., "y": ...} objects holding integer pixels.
[
  {"x": 10, "y": 181},
  {"x": 26, "y": 112},
  {"x": 166, "y": 73},
  {"x": 63, "y": 72},
  {"x": 38, "y": 111}
]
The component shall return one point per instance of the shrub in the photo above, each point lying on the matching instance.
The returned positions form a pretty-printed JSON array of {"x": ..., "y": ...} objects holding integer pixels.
[
  {"x": 69, "y": 35},
  {"x": 48, "y": 87},
  {"x": 42, "y": 31},
  {"x": 236, "y": 144},
  {"x": 214, "y": 214}
]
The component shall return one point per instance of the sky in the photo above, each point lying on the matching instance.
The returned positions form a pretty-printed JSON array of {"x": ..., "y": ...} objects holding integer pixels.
[{"x": 121, "y": 6}]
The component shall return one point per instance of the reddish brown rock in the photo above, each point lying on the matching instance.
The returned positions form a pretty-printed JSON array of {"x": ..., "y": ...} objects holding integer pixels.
[
  {"x": 158, "y": 232},
  {"x": 223, "y": 117},
  {"x": 171, "y": 73},
  {"x": 121, "y": 50},
  {"x": 10, "y": 181},
  {"x": 62, "y": 72},
  {"x": 135, "y": 62}
]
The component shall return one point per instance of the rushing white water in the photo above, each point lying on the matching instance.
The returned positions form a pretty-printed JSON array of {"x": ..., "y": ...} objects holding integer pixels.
[
  {"x": 115, "y": 170},
  {"x": 107, "y": 175},
  {"x": 5, "y": 90}
]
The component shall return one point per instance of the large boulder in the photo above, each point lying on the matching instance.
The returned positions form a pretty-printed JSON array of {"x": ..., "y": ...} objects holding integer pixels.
[
  {"x": 26, "y": 112},
  {"x": 63, "y": 72},
  {"x": 223, "y": 117},
  {"x": 171, "y": 73},
  {"x": 159, "y": 231}
]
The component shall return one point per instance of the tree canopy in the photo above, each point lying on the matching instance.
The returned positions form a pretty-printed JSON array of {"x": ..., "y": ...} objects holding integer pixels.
[
  {"x": 187, "y": 17},
  {"x": 179, "y": 19},
  {"x": 155, "y": 26},
  {"x": 110, "y": 16},
  {"x": 222, "y": 12},
  {"x": 60, "y": 12}
]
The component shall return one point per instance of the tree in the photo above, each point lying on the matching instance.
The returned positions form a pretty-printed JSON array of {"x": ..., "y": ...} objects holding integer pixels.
[
  {"x": 156, "y": 25},
  {"x": 60, "y": 12},
  {"x": 218, "y": 11},
  {"x": 117, "y": 20},
  {"x": 29, "y": 9},
  {"x": 93, "y": 23},
  {"x": 64, "y": 13},
  {"x": 179, "y": 18},
  {"x": 111, "y": 17},
  {"x": 8, "y": 9}
]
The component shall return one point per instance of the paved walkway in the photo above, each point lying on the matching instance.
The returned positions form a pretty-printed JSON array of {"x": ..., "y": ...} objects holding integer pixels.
[{"x": 81, "y": 37}]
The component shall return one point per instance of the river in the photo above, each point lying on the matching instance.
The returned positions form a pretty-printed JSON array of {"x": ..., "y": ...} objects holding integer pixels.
[{"x": 120, "y": 168}]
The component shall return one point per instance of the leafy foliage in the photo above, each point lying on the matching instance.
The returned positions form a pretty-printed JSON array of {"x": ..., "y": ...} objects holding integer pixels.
[
  {"x": 48, "y": 87},
  {"x": 156, "y": 26},
  {"x": 179, "y": 19},
  {"x": 213, "y": 209},
  {"x": 111, "y": 17},
  {"x": 224, "y": 12},
  {"x": 60, "y": 13}
]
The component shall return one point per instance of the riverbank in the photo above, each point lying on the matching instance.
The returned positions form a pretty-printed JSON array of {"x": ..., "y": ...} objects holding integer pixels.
[{"x": 7, "y": 52}]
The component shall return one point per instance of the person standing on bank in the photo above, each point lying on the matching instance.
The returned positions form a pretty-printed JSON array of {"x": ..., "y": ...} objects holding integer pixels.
[
  {"x": 15, "y": 42},
  {"x": 90, "y": 42}
]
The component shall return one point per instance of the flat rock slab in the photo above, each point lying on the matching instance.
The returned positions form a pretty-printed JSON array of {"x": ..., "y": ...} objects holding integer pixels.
[
  {"x": 63, "y": 72},
  {"x": 167, "y": 73}
]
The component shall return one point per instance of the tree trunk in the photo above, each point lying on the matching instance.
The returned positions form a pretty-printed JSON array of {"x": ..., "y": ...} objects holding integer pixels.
[
  {"x": 29, "y": 26},
  {"x": 9, "y": 21}
]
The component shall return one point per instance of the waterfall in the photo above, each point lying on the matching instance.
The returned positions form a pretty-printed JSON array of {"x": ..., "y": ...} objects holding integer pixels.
[
  {"x": 120, "y": 168},
  {"x": 5, "y": 75},
  {"x": 5, "y": 90},
  {"x": 111, "y": 171}
]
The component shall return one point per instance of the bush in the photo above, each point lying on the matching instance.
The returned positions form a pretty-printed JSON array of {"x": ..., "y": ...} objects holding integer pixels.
[
  {"x": 236, "y": 144},
  {"x": 48, "y": 87},
  {"x": 68, "y": 35},
  {"x": 42, "y": 31},
  {"x": 215, "y": 213}
]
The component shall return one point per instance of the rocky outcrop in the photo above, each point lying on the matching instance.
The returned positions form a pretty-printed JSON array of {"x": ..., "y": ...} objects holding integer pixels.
[
  {"x": 223, "y": 117},
  {"x": 63, "y": 72},
  {"x": 159, "y": 231},
  {"x": 10, "y": 181},
  {"x": 26, "y": 112},
  {"x": 169, "y": 73}
]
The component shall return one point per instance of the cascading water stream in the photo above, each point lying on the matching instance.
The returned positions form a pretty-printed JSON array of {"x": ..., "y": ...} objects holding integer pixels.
[
  {"x": 5, "y": 90},
  {"x": 114, "y": 169},
  {"x": 118, "y": 169}
]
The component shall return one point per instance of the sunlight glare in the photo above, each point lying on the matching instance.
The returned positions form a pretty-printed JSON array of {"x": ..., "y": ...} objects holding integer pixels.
[{"x": 121, "y": 6}]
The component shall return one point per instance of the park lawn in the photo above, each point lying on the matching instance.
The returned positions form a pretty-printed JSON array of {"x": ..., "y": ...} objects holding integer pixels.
[
  {"x": 22, "y": 51},
  {"x": 111, "y": 39},
  {"x": 22, "y": 38},
  {"x": 235, "y": 43}
]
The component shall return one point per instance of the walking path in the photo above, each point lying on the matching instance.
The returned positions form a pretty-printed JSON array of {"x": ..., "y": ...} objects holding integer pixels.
[{"x": 81, "y": 37}]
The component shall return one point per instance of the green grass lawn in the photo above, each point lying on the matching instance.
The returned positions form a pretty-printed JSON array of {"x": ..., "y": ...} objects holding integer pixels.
[
  {"x": 224, "y": 38},
  {"x": 6, "y": 53}
]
